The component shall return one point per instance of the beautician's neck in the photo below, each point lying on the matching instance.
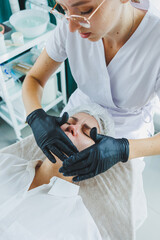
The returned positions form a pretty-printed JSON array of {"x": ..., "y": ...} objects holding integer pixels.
[{"x": 121, "y": 32}]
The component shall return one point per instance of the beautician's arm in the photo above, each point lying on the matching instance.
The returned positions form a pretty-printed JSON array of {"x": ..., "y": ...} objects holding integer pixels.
[
  {"x": 105, "y": 153},
  {"x": 144, "y": 147},
  {"x": 46, "y": 129},
  {"x": 35, "y": 81}
]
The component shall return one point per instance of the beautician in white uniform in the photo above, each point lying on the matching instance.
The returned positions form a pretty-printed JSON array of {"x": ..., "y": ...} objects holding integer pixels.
[{"x": 114, "y": 56}]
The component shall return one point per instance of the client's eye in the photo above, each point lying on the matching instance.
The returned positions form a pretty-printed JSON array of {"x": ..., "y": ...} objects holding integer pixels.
[
  {"x": 86, "y": 130},
  {"x": 86, "y": 134}
]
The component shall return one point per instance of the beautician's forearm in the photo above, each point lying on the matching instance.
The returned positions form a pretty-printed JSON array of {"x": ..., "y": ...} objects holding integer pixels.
[
  {"x": 32, "y": 94},
  {"x": 36, "y": 79},
  {"x": 144, "y": 147}
]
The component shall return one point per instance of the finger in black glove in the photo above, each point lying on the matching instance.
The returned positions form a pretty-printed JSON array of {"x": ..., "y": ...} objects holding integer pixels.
[
  {"x": 49, "y": 136},
  {"x": 98, "y": 158}
]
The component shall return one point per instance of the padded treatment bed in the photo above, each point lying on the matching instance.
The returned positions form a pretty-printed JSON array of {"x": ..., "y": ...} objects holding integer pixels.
[{"x": 109, "y": 196}]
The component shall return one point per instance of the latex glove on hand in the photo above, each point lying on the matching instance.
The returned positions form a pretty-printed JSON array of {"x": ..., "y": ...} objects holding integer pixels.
[
  {"x": 49, "y": 136},
  {"x": 98, "y": 158}
]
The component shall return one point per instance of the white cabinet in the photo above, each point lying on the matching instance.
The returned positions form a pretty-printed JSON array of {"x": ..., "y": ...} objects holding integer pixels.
[{"x": 11, "y": 108}]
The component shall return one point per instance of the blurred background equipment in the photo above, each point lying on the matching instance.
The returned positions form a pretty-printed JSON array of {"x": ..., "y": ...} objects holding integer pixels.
[
  {"x": 14, "y": 4},
  {"x": 30, "y": 22}
]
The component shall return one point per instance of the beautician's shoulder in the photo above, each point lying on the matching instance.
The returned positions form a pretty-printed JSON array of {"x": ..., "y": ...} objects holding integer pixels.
[
  {"x": 60, "y": 31},
  {"x": 61, "y": 43},
  {"x": 56, "y": 43}
]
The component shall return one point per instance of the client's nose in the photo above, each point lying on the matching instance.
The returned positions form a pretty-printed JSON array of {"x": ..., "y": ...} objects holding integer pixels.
[{"x": 73, "y": 129}]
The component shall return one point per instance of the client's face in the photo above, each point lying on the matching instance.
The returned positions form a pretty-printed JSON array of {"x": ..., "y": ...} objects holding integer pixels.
[{"x": 78, "y": 129}]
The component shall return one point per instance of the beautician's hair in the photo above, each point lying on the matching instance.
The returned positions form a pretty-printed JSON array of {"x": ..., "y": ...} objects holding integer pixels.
[{"x": 101, "y": 114}]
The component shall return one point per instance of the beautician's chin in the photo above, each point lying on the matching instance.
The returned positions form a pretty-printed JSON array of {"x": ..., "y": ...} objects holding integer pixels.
[{"x": 91, "y": 38}]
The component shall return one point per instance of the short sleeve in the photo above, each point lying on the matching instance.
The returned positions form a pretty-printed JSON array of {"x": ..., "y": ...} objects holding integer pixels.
[
  {"x": 158, "y": 86},
  {"x": 56, "y": 43}
]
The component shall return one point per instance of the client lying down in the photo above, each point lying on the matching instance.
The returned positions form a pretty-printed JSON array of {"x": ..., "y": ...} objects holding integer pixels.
[{"x": 37, "y": 202}]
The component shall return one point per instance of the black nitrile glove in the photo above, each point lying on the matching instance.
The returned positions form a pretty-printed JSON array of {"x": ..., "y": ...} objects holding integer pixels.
[
  {"x": 98, "y": 158},
  {"x": 49, "y": 136}
]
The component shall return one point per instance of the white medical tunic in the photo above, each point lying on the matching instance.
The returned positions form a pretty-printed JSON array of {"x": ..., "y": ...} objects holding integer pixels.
[
  {"x": 51, "y": 211},
  {"x": 128, "y": 86}
]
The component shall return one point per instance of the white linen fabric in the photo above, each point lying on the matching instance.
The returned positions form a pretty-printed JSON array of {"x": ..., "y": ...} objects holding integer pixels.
[
  {"x": 110, "y": 197},
  {"x": 51, "y": 211}
]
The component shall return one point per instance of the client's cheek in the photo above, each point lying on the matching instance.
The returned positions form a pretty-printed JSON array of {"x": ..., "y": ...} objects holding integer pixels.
[{"x": 85, "y": 144}]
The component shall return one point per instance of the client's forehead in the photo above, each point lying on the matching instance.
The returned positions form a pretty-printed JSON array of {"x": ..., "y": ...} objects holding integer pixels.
[{"x": 82, "y": 118}]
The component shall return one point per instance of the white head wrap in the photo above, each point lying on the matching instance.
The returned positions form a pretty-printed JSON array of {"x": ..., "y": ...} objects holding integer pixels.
[{"x": 102, "y": 116}]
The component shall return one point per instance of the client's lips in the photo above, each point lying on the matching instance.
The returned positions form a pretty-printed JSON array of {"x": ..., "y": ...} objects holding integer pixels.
[{"x": 85, "y": 35}]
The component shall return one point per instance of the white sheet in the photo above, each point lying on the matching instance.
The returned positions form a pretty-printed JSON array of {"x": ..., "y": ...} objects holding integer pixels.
[
  {"x": 111, "y": 197},
  {"x": 51, "y": 211}
]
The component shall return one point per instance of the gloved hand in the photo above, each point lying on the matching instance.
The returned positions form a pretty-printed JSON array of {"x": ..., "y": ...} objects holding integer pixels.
[
  {"x": 98, "y": 158},
  {"x": 49, "y": 136}
]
